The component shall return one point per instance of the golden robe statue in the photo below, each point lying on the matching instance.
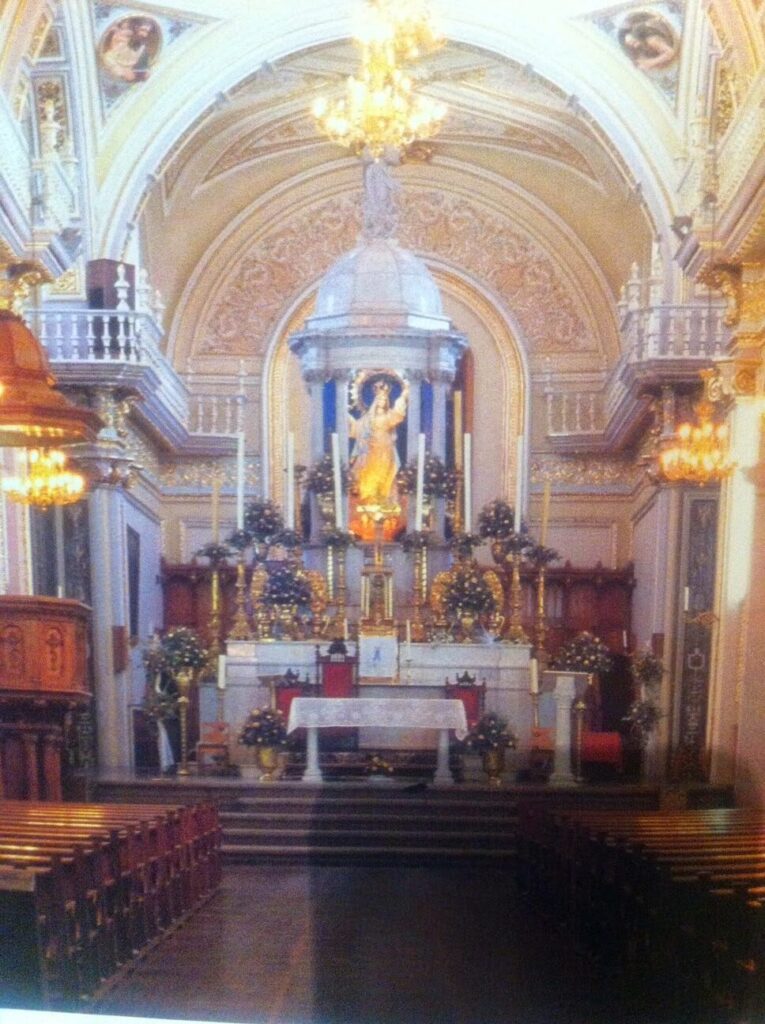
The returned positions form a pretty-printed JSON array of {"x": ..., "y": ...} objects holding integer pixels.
[{"x": 375, "y": 460}]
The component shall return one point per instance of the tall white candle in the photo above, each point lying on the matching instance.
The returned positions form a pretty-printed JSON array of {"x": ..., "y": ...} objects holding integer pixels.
[
  {"x": 458, "y": 430},
  {"x": 534, "y": 675},
  {"x": 518, "y": 508},
  {"x": 545, "y": 513},
  {"x": 240, "y": 481},
  {"x": 467, "y": 454},
  {"x": 337, "y": 482},
  {"x": 221, "y": 671},
  {"x": 686, "y": 598},
  {"x": 290, "y": 502},
  {"x": 420, "y": 482},
  {"x": 216, "y": 508}
]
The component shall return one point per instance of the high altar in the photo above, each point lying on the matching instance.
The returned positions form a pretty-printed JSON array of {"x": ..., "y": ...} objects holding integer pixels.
[{"x": 384, "y": 373}]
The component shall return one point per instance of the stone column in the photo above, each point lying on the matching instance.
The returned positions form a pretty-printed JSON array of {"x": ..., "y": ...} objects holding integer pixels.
[
  {"x": 440, "y": 389},
  {"x": 341, "y": 412},
  {"x": 315, "y": 385},
  {"x": 564, "y": 693}
]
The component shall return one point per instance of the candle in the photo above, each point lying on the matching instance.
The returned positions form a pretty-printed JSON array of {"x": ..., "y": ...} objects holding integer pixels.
[
  {"x": 624, "y": 639},
  {"x": 345, "y": 628},
  {"x": 337, "y": 482},
  {"x": 240, "y": 481},
  {"x": 458, "y": 430},
  {"x": 518, "y": 509},
  {"x": 221, "y": 671},
  {"x": 686, "y": 598},
  {"x": 545, "y": 513},
  {"x": 408, "y": 632},
  {"x": 467, "y": 455},
  {"x": 534, "y": 670},
  {"x": 420, "y": 482},
  {"x": 290, "y": 502},
  {"x": 216, "y": 508}
]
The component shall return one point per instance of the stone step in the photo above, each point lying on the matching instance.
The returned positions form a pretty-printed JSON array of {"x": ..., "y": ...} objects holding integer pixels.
[
  {"x": 431, "y": 855},
  {"x": 366, "y": 837},
  {"x": 308, "y": 819}
]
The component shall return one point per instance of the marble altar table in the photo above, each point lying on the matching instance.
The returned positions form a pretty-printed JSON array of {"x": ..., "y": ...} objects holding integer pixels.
[{"x": 314, "y": 713}]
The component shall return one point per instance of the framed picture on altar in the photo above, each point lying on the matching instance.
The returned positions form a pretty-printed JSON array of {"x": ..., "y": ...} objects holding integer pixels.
[{"x": 378, "y": 659}]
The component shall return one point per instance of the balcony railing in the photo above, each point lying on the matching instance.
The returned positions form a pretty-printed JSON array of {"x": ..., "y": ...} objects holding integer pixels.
[{"x": 673, "y": 332}]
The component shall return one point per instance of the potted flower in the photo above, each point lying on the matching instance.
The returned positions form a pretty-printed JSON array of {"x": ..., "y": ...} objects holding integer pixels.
[
  {"x": 467, "y": 596},
  {"x": 490, "y": 738},
  {"x": 496, "y": 521},
  {"x": 463, "y": 544},
  {"x": 263, "y": 522},
  {"x": 585, "y": 653},
  {"x": 266, "y": 731},
  {"x": 644, "y": 713},
  {"x": 320, "y": 480},
  {"x": 215, "y": 553}
]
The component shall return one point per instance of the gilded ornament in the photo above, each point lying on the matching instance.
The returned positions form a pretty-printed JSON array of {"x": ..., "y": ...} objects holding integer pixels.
[{"x": 17, "y": 278}]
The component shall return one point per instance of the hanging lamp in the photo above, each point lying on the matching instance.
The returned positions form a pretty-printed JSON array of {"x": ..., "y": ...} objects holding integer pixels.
[{"x": 33, "y": 413}]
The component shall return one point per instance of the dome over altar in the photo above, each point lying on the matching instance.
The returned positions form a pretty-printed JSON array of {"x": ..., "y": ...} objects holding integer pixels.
[{"x": 378, "y": 276}]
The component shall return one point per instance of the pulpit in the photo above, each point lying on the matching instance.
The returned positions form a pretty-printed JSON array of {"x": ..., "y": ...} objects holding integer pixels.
[{"x": 44, "y": 680}]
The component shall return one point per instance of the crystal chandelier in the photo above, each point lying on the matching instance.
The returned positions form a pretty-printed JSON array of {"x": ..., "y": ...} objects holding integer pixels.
[
  {"x": 698, "y": 453},
  {"x": 380, "y": 108},
  {"x": 48, "y": 481}
]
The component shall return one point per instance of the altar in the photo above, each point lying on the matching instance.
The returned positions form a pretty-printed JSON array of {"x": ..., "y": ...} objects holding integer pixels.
[{"x": 420, "y": 670}]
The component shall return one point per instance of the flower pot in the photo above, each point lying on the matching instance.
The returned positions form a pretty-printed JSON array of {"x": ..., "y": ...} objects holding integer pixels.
[
  {"x": 268, "y": 762},
  {"x": 494, "y": 765}
]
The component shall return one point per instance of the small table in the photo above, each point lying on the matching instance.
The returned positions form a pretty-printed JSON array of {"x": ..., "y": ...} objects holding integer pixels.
[{"x": 313, "y": 713}]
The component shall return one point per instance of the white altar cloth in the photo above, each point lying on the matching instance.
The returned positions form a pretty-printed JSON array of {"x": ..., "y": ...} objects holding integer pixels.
[
  {"x": 396, "y": 713},
  {"x": 314, "y": 713}
]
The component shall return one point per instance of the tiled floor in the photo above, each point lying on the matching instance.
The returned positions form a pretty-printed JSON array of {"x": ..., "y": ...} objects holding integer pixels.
[{"x": 372, "y": 945}]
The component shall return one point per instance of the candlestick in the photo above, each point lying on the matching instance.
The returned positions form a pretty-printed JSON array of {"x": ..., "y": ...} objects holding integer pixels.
[
  {"x": 240, "y": 481},
  {"x": 290, "y": 502},
  {"x": 457, "y": 407},
  {"x": 337, "y": 482},
  {"x": 467, "y": 453},
  {"x": 518, "y": 508},
  {"x": 545, "y": 513},
  {"x": 420, "y": 482},
  {"x": 215, "y": 526}
]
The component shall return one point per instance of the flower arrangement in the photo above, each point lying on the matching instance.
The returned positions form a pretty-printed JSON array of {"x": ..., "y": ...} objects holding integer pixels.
[
  {"x": 540, "y": 556},
  {"x": 467, "y": 592},
  {"x": 491, "y": 733},
  {"x": 437, "y": 480},
  {"x": 215, "y": 553},
  {"x": 379, "y": 767},
  {"x": 585, "y": 653},
  {"x": 647, "y": 670},
  {"x": 289, "y": 539},
  {"x": 496, "y": 520},
  {"x": 463, "y": 544},
  {"x": 643, "y": 717},
  {"x": 240, "y": 540},
  {"x": 179, "y": 648},
  {"x": 321, "y": 477},
  {"x": 417, "y": 540},
  {"x": 335, "y": 538},
  {"x": 263, "y": 521},
  {"x": 265, "y": 727},
  {"x": 286, "y": 586}
]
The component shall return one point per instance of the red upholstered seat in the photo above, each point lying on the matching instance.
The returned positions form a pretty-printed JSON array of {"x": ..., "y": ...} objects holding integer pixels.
[
  {"x": 336, "y": 673},
  {"x": 284, "y": 696},
  {"x": 337, "y": 679},
  {"x": 472, "y": 695},
  {"x": 603, "y": 748}
]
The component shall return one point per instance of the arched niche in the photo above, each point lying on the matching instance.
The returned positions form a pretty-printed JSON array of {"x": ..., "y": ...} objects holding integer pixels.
[{"x": 500, "y": 398}]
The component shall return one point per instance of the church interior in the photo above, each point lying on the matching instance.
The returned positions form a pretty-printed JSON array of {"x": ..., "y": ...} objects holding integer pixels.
[{"x": 382, "y": 401}]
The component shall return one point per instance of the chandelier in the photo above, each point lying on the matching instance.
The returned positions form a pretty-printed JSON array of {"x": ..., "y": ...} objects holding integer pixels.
[
  {"x": 380, "y": 108},
  {"x": 699, "y": 452},
  {"x": 48, "y": 481}
]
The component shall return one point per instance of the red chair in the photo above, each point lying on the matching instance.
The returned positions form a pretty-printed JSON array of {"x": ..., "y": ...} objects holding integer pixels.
[
  {"x": 337, "y": 676},
  {"x": 285, "y": 688},
  {"x": 472, "y": 695},
  {"x": 603, "y": 748}
]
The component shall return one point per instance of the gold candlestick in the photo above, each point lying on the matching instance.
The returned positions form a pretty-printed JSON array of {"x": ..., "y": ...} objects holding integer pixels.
[
  {"x": 183, "y": 678},
  {"x": 331, "y": 572},
  {"x": 535, "y": 708},
  {"x": 516, "y": 633},
  {"x": 540, "y": 632},
  {"x": 240, "y": 629},
  {"x": 418, "y": 628},
  {"x": 214, "y": 648}
]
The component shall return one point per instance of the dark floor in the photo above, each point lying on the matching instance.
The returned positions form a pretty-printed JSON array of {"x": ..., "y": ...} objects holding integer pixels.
[{"x": 373, "y": 945}]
